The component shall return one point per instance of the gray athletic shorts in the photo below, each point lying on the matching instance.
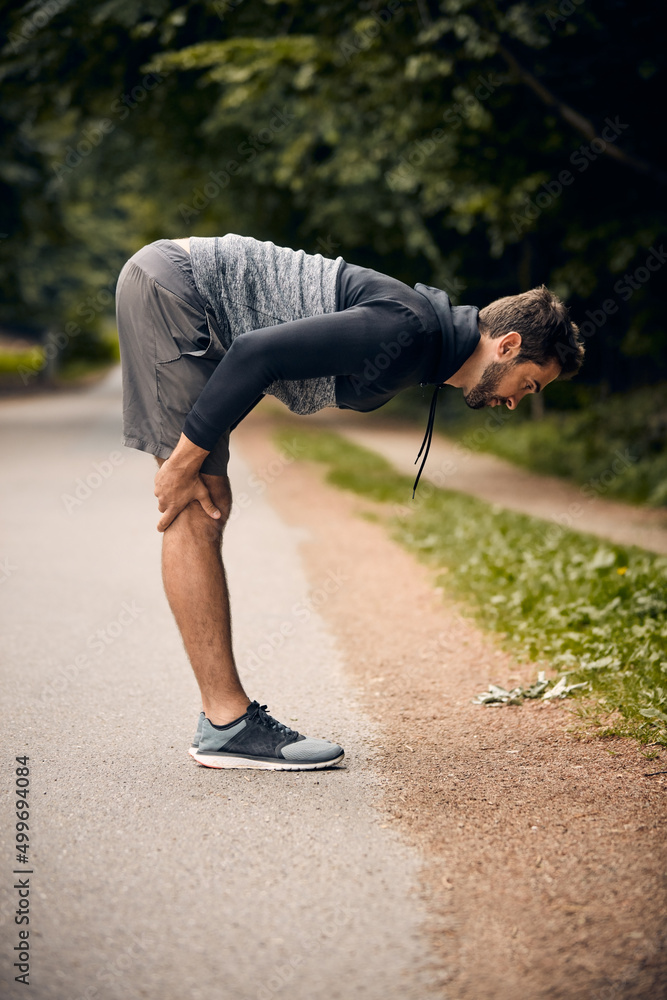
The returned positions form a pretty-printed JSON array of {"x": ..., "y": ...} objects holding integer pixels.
[{"x": 169, "y": 347}]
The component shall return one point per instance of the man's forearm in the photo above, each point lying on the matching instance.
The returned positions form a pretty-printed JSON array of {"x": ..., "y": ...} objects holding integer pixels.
[
  {"x": 187, "y": 456},
  {"x": 311, "y": 347}
]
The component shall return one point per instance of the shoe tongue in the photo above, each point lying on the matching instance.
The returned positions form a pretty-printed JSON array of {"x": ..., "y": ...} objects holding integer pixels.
[
  {"x": 254, "y": 710},
  {"x": 257, "y": 711}
]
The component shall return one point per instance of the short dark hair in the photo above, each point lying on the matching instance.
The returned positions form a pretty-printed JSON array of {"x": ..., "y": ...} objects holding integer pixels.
[{"x": 543, "y": 321}]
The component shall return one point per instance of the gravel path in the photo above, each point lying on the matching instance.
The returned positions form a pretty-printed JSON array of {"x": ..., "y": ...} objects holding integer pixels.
[
  {"x": 545, "y": 855},
  {"x": 454, "y": 467}
]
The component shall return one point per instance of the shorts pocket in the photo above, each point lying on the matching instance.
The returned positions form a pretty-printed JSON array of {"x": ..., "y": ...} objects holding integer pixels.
[
  {"x": 215, "y": 349},
  {"x": 180, "y": 327}
]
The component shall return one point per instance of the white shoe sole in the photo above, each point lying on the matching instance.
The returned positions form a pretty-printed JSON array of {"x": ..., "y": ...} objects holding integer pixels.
[{"x": 211, "y": 760}]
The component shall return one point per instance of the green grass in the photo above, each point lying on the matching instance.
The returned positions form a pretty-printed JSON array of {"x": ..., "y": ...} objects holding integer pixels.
[
  {"x": 615, "y": 447},
  {"x": 92, "y": 354},
  {"x": 16, "y": 362},
  {"x": 567, "y": 600}
]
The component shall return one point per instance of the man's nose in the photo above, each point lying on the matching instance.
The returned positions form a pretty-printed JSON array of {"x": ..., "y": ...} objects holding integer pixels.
[{"x": 514, "y": 400}]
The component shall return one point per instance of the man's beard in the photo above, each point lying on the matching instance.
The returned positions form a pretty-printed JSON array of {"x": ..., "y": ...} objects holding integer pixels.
[{"x": 481, "y": 394}]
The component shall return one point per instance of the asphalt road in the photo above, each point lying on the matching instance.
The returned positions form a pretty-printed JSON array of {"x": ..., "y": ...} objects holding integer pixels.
[{"x": 152, "y": 877}]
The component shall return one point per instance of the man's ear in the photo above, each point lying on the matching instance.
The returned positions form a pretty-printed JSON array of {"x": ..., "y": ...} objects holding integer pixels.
[{"x": 509, "y": 345}]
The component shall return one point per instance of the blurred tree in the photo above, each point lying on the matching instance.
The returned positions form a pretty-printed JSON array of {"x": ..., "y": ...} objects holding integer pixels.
[{"x": 483, "y": 146}]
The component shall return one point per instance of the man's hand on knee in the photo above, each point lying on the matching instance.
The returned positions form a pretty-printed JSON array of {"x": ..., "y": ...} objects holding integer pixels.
[{"x": 175, "y": 489}]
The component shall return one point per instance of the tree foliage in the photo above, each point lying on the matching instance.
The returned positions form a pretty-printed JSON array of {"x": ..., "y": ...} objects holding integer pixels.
[{"x": 479, "y": 145}]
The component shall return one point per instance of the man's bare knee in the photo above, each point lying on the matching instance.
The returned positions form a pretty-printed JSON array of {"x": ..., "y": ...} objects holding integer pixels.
[
  {"x": 220, "y": 490},
  {"x": 194, "y": 517}
]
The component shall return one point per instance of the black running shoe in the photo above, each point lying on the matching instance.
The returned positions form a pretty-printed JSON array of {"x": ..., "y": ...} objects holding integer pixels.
[{"x": 260, "y": 741}]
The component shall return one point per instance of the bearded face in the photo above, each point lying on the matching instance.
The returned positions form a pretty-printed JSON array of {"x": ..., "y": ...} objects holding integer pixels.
[{"x": 486, "y": 389}]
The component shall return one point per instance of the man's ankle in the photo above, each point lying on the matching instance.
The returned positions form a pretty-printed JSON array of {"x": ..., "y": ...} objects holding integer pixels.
[{"x": 222, "y": 715}]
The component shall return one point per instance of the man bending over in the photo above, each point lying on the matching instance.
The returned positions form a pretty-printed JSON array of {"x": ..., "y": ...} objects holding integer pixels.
[{"x": 207, "y": 327}]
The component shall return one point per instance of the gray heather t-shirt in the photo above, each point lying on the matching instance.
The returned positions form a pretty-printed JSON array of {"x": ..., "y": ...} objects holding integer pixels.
[{"x": 251, "y": 284}]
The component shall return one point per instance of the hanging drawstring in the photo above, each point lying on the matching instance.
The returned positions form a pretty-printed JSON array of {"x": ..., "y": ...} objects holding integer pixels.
[{"x": 427, "y": 438}]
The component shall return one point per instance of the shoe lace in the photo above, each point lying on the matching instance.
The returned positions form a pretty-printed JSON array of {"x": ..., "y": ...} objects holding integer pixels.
[{"x": 259, "y": 714}]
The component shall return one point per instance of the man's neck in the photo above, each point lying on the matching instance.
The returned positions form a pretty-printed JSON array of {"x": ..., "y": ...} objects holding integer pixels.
[{"x": 468, "y": 373}]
